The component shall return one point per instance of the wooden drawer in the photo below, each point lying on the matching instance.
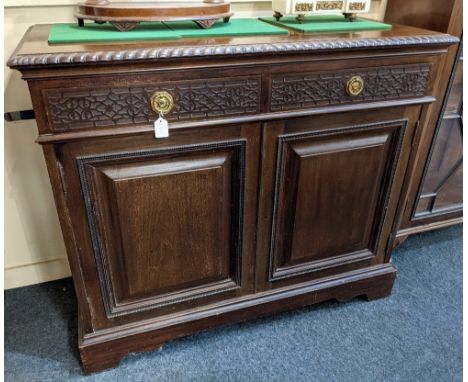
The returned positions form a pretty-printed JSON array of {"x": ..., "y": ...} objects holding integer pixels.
[
  {"x": 121, "y": 100},
  {"x": 309, "y": 89}
]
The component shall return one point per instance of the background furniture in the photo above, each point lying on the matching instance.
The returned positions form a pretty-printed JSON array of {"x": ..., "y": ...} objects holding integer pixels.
[
  {"x": 435, "y": 187},
  {"x": 278, "y": 186}
]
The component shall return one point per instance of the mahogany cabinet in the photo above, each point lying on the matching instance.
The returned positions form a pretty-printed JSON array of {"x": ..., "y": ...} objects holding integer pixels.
[
  {"x": 435, "y": 183},
  {"x": 278, "y": 186}
]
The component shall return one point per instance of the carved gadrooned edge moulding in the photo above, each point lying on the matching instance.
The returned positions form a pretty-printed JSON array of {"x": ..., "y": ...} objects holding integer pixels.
[{"x": 160, "y": 53}]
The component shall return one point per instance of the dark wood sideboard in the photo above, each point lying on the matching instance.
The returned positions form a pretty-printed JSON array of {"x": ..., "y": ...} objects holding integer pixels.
[
  {"x": 277, "y": 188},
  {"x": 435, "y": 195}
]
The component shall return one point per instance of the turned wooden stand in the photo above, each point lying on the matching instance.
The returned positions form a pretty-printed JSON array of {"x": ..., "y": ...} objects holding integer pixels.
[{"x": 126, "y": 16}]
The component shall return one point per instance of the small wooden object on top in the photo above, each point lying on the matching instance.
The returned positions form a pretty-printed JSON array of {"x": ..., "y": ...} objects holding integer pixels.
[{"x": 126, "y": 16}]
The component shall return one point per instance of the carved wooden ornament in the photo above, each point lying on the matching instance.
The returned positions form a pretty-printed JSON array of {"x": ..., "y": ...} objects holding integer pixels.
[{"x": 126, "y": 16}]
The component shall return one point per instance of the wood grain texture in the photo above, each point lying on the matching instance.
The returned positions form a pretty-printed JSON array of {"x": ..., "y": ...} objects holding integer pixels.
[
  {"x": 166, "y": 224},
  {"x": 311, "y": 230},
  {"x": 328, "y": 219},
  {"x": 428, "y": 14},
  {"x": 122, "y": 195}
]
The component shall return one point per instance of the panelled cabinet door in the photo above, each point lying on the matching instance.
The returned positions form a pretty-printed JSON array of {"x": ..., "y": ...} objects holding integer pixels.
[
  {"x": 331, "y": 185},
  {"x": 165, "y": 224}
]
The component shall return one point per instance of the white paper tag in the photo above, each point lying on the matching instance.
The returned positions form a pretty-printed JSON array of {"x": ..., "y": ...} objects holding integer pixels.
[{"x": 161, "y": 128}]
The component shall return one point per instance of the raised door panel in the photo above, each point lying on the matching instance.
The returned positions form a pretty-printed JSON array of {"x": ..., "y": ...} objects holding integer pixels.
[
  {"x": 330, "y": 192},
  {"x": 166, "y": 225},
  {"x": 317, "y": 201}
]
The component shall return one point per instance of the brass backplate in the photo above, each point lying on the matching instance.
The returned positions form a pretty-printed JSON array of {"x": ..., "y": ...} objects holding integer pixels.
[
  {"x": 355, "y": 86},
  {"x": 162, "y": 102}
]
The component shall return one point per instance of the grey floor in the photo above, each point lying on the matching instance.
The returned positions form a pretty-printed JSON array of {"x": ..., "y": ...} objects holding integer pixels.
[{"x": 414, "y": 335}]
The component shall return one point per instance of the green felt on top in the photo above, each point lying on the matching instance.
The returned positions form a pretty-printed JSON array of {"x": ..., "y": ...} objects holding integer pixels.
[
  {"x": 235, "y": 27},
  {"x": 91, "y": 32},
  {"x": 327, "y": 23}
]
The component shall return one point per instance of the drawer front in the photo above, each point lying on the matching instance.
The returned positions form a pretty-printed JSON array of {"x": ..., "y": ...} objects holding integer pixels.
[
  {"x": 124, "y": 100},
  {"x": 107, "y": 106},
  {"x": 290, "y": 91}
]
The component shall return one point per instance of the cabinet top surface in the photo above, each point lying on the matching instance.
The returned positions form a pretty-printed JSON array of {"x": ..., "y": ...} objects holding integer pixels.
[{"x": 34, "y": 49}]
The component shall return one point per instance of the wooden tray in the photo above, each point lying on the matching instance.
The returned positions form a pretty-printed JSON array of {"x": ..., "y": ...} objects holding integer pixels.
[{"x": 125, "y": 16}]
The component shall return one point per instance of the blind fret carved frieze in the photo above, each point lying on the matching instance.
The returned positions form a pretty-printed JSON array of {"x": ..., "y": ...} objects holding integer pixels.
[
  {"x": 102, "y": 107},
  {"x": 296, "y": 91}
]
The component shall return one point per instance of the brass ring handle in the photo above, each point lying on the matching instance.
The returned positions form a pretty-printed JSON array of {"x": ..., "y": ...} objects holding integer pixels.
[
  {"x": 355, "y": 86},
  {"x": 162, "y": 102}
]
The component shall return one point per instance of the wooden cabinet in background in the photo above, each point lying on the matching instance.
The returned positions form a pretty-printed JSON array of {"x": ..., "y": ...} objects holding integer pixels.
[
  {"x": 435, "y": 183},
  {"x": 441, "y": 190},
  {"x": 278, "y": 186}
]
